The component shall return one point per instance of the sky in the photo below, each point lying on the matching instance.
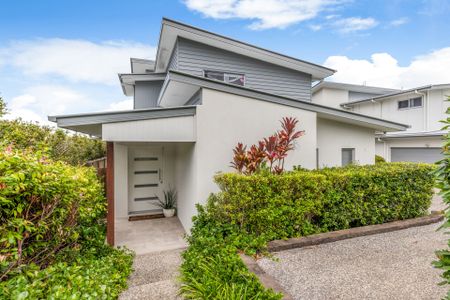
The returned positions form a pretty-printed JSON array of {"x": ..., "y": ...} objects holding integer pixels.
[{"x": 63, "y": 57}]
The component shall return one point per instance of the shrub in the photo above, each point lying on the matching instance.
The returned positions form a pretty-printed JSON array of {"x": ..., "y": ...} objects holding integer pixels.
[
  {"x": 52, "y": 233},
  {"x": 379, "y": 159},
  {"x": 58, "y": 145},
  {"x": 304, "y": 202},
  {"x": 270, "y": 152},
  {"x": 212, "y": 268},
  {"x": 45, "y": 206},
  {"x": 251, "y": 210},
  {"x": 442, "y": 175},
  {"x": 100, "y": 274}
]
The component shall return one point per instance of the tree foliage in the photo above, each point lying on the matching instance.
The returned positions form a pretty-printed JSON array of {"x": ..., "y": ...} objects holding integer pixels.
[
  {"x": 442, "y": 175},
  {"x": 58, "y": 144}
]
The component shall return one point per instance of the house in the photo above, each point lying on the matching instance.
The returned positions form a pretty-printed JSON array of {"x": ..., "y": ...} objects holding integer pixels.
[
  {"x": 422, "y": 108},
  {"x": 202, "y": 95}
]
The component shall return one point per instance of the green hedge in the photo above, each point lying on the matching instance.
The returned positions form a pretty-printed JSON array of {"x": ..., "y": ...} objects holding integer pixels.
[
  {"x": 252, "y": 210},
  {"x": 303, "y": 202}
]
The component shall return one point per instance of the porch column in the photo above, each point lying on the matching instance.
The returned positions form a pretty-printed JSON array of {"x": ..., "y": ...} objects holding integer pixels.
[{"x": 110, "y": 192}]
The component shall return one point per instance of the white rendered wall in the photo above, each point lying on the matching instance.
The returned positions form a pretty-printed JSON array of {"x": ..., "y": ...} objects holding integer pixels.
[
  {"x": 330, "y": 97},
  {"x": 425, "y": 118},
  {"x": 332, "y": 136},
  {"x": 225, "y": 119},
  {"x": 120, "y": 181},
  {"x": 186, "y": 183},
  {"x": 175, "y": 129}
]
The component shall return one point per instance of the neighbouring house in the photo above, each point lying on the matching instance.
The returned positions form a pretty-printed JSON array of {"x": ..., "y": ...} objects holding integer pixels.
[
  {"x": 204, "y": 93},
  {"x": 422, "y": 108}
]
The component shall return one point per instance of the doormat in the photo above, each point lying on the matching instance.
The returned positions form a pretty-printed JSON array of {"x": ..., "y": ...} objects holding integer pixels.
[{"x": 145, "y": 217}]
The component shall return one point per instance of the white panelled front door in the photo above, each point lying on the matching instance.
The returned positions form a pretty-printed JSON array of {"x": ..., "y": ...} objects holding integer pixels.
[{"x": 145, "y": 167}]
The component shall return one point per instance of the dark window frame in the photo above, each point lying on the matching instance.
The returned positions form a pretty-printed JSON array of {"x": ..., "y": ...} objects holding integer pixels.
[{"x": 411, "y": 103}]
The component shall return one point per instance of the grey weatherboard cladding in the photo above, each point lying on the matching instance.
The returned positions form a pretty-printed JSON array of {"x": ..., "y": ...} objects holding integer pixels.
[{"x": 192, "y": 57}]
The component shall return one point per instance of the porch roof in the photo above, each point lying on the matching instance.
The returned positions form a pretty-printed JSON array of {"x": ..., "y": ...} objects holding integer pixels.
[{"x": 91, "y": 123}]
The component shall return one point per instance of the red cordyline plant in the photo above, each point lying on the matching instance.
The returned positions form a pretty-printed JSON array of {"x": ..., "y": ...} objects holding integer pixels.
[{"x": 270, "y": 152}]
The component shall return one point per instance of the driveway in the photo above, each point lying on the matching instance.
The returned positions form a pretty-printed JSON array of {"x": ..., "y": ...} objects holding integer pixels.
[{"x": 395, "y": 265}]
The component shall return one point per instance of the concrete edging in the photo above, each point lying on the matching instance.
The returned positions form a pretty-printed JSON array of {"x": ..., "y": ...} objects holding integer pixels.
[
  {"x": 266, "y": 280},
  {"x": 333, "y": 236}
]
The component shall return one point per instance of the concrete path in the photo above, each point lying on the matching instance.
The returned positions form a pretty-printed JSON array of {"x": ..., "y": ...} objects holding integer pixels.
[
  {"x": 154, "y": 277},
  {"x": 394, "y": 265}
]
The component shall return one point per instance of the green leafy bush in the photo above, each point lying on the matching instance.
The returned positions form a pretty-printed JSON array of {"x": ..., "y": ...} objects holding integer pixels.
[
  {"x": 212, "y": 268},
  {"x": 52, "y": 232},
  {"x": 251, "y": 210},
  {"x": 58, "y": 145},
  {"x": 379, "y": 159},
  {"x": 304, "y": 202},
  {"x": 45, "y": 206},
  {"x": 100, "y": 274},
  {"x": 443, "y": 184}
]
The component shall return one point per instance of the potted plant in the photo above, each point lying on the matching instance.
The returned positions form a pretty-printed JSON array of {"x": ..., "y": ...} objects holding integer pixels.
[{"x": 169, "y": 203}]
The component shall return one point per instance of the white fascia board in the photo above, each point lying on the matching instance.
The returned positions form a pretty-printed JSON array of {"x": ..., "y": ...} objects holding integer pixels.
[{"x": 171, "y": 30}]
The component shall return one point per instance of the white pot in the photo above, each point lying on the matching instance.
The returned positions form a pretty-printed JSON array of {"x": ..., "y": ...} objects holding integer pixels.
[{"x": 169, "y": 212}]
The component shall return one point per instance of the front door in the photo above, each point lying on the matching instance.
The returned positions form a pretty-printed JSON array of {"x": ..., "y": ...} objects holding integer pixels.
[{"x": 144, "y": 180}]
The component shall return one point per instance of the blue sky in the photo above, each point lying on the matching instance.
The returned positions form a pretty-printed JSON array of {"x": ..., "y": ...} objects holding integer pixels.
[{"x": 60, "y": 57}]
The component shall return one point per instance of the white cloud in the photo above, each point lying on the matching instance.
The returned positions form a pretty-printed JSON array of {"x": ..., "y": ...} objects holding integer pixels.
[
  {"x": 315, "y": 27},
  {"x": 121, "y": 105},
  {"x": 354, "y": 24},
  {"x": 264, "y": 13},
  {"x": 399, "y": 22},
  {"x": 75, "y": 60},
  {"x": 36, "y": 102},
  {"x": 383, "y": 70}
]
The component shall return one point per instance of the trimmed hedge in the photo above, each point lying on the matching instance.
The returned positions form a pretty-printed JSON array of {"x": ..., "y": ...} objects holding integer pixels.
[
  {"x": 304, "y": 202},
  {"x": 253, "y": 210}
]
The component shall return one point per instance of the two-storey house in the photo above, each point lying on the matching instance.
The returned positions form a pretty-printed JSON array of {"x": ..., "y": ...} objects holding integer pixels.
[
  {"x": 421, "y": 108},
  {"x": 202, "y": 95}
]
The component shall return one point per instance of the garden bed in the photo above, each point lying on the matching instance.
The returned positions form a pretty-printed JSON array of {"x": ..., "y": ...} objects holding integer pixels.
[{"x": 252, "y": 210}]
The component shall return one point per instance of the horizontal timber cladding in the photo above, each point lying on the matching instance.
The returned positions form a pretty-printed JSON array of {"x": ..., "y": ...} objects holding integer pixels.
[{"x": 194, "y": 58}]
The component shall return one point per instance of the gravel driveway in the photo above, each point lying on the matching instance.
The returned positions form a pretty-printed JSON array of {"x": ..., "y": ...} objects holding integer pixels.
[{"x": 395, "y": 265}]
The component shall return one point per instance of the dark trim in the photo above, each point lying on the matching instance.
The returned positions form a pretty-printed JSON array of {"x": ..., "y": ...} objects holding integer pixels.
[
  {"x": 122, "y": 116},
  {"x": 145, "y": 185},
  {"x": 146, "y": 198},
  {"x": 110, "y": 192},
  {"x": 145, "y": 159},
  {"x": 146, "y": 172}
]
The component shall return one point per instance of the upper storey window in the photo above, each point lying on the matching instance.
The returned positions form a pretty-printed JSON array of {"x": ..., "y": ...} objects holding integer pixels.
[
  {"x": 233, "y": 78},
  {"x": 410, "y": 103}
]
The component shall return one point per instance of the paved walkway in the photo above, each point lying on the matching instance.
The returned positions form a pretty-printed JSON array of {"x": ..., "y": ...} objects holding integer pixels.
[
  {"x": 395, "y": 265},
  {"x": 154, "y": 277},
  {"x": 147, "y": 236}
]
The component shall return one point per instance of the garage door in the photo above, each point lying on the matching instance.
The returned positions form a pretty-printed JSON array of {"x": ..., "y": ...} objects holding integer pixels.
[{"x": 427, "y": 155}]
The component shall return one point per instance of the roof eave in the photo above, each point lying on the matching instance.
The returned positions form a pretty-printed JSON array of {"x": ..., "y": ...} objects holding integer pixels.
[
  {"x": 377, "y": 123},
  {"x": 318, "y": 72}
]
